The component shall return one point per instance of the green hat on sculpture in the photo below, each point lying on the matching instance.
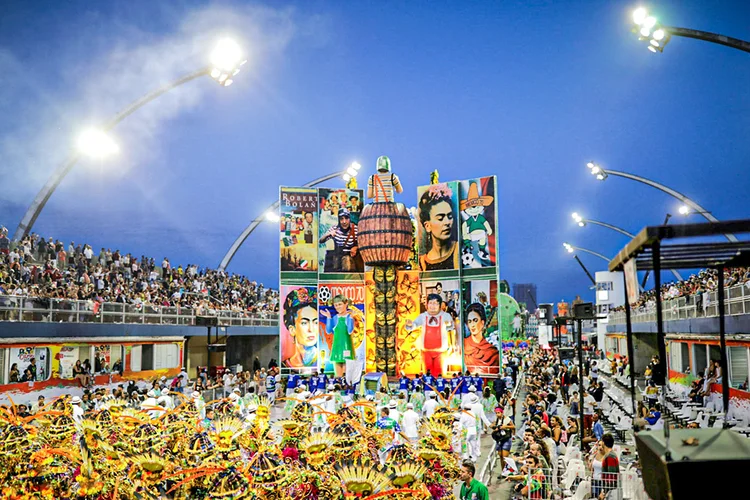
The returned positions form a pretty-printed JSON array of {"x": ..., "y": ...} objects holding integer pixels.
[{"x": 383, "y": 164}]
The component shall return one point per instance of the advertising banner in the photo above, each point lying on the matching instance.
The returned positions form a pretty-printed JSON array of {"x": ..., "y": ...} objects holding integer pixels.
[
  {"x": 299, "y": 328},
  {"x": 343, "y": 346},
  {"x": 481, "y": 334},
  {"x": 298, "y": 229},
  {"x": 478, "y": 219},
  {"x": 631, "y": 280},
  {"x": 339, "y": 211},
  {"x": 438, "y": 227}
]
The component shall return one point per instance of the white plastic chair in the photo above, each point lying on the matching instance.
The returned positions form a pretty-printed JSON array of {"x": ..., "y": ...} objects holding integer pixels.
[{"x": 582, "y": 492}]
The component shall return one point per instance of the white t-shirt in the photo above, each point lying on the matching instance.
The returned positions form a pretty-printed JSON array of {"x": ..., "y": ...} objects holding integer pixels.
[{"x": 409, "y": 424}]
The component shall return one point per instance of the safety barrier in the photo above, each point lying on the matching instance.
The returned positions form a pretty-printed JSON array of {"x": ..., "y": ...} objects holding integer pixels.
[
  {"x": 17, "y": 308},
  {"x": 703, "y": 305},
  {"x": 576, "y": 483}
]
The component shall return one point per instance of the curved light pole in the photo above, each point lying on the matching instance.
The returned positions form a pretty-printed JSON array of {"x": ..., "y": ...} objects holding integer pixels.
[
  {"x": 602, "y": 174},
  {"x": 570, "y": 248},
  {"x": 226, "y": 60},
  {"x": 658, "y": 36},
  {"x": 270, "y": 214},
  {"x": 582, "y": 223}
]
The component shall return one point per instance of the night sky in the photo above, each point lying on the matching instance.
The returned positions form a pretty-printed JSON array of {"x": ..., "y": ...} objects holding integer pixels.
[{"x": 528, "y": 90}]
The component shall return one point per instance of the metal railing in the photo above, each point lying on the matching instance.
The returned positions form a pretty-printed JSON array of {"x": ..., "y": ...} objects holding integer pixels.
[
  {"x": 737, "y": 302},
  {"x": 565, "y": 482},
  {"x": 34, "y": 309}
]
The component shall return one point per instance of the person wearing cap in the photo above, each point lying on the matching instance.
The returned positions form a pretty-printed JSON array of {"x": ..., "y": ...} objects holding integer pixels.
[
  {"x": 77, "y": 406},
  {"x": 382, "y": 184},
  {"x": 476, "y": 410},
  {"x": 344, "y": 236},
  {"x": 393, "y": 410},
  {"x": 410, "y": 423},
  {"x": 151, "y": 404},
  {"x": 430, "y": 405}
]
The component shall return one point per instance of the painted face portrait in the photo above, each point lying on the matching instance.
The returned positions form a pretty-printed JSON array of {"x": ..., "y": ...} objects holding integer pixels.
[
  {"x": 475, "y": 323},
  {"x": 440, "y": 221},
  {"x": 305, "y": 327}
]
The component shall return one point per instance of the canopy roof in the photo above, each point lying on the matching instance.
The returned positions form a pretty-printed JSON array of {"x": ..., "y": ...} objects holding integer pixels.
[{"x": 686, "y": 255}]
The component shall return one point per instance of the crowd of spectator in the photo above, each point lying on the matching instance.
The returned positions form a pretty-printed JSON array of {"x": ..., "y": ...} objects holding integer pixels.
[
  {"x": 551, "y": 423},
  {"x": 697, "y": 287},
  {"x": 47, "y": 269}
]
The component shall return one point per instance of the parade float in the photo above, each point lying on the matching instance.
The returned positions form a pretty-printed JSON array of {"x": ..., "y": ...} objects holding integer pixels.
[{"x": 380, "y": 288}]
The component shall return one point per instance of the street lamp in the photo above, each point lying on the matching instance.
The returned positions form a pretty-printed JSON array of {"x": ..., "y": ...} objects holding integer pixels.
[
  {"x": 657, "y": 36},
  {"x": 271, "y": 213},
  {"x": 582, "y": 222},
  {"x": 97, "y": 144},
  {"x": 601, "y": 174},
  {"x": 571, "y": 249},
  {"x": 226, "y": 60}
]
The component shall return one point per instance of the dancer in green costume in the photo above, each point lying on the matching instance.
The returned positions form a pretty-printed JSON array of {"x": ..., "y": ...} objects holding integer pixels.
[{"x": 342, "y": 325}]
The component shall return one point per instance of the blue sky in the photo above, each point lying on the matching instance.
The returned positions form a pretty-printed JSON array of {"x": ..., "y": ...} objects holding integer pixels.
[{"x": 529, "y": 91}]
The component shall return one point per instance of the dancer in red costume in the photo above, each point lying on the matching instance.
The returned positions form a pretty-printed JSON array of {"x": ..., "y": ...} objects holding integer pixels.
[{"x": 438, "y": 335}]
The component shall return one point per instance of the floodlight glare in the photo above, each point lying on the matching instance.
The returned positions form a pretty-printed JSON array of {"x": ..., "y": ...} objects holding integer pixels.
[
  {"x": 347, "y": 177},
  {"x": 639, "y": 15},
  {"x": 659, "y": 34},
  {"x": 575, "y": 216},
  {"x": 581, "y": 223},
  {"x": 600, "y": 177},
  {"x": 652, "y": 48},
  {"x": 227, "y": 55},
  {"x": 356, "y": 166},
  {"x": 655, "y": 43},
  {"x": 272, "y": 216},
  {"x": 97, "y": 144},
  {"x": 645, "y": 31},
  {"x": 351, "y": 171},
  {"x": 649, "y": 22},
  {"x": 590, "y": 164},
  {"x": 684, "y": 210},
  {"x": 596, "y": 170}
]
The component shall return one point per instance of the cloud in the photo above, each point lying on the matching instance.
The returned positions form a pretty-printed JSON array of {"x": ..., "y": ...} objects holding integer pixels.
[{"x": 116, "y": 65}]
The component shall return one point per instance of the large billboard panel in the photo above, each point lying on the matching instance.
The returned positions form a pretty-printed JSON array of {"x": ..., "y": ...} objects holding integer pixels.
[
  {"x": 339, "y": 211},
  {"x": 434, "y": 331},
  {"x": 478, "y": 220},
  {"x": 437, "y": 227},
  {"x": 299, "y": 327},
  {"x": 343, "y": 346},
  {"x": 298, "y": 229},
  {"x": 481, "y": 335}
]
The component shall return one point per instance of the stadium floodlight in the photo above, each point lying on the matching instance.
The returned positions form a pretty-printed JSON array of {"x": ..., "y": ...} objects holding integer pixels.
[
  {"x": 567, "y": 247},
  {"x": 352, "y": 171},
  {"x": 97, "y": 144},
  {"x": 272, "y": 216},
  {"x": 597, "y": 171},
  {"x": 657, "y": 36},
  {"x": 684, "y": 210},
  {"x": 226, "y": 60},
  {"x": 696, "y": 208}
]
